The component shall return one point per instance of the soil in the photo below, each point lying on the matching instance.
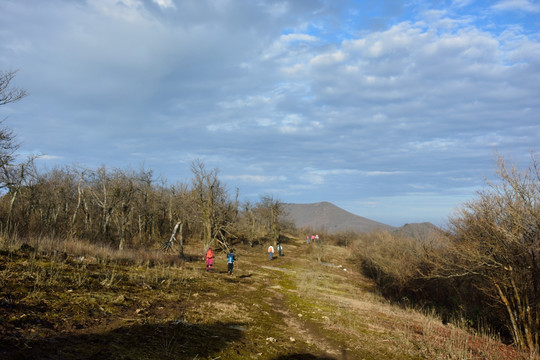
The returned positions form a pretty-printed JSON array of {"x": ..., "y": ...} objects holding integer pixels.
[{"x": 64, "y": 306}]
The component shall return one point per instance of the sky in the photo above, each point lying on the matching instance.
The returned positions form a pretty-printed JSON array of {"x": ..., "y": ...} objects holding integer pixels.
[{"x": 392, "y": 110}]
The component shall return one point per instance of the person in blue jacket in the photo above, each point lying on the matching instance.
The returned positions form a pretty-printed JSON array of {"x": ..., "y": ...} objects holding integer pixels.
[{"x": 230, "y": 261}]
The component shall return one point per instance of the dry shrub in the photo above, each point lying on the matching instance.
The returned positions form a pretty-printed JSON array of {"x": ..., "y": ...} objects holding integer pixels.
[
  {"x": 344, "y": 239},
  {"x": 86, "y": 251},
  {"x": 400, "y": 267},
  {"x": 391, "y": 260}
]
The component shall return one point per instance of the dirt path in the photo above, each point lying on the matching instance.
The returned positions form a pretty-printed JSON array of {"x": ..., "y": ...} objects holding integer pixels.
[{"x": 280, "y": 288}]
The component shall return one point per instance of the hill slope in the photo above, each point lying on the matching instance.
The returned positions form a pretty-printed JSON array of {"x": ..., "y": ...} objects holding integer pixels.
[
  {"x": 290, "y": 308},
  {"x": 330, "y": 218}
]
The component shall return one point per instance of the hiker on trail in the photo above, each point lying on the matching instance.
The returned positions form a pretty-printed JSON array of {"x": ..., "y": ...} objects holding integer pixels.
[
  {"x": 270, "y": 252},
  {"x": 307, "y": 239},
  {"x": 280, "y": 249},
  {"x": 313, "y": 238},
  {"x": 209, "y": 259},
  {"x": 230, "y": 261}
]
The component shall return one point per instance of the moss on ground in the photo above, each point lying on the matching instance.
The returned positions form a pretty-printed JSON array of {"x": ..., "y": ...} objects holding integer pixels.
[{"x": 70, "y": 307}]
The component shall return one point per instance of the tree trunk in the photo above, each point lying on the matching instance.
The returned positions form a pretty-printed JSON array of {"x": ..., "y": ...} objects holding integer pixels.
[
  {"x": 516, "y": 333},
  {"x": 181, "y": 239},
  {"x": 10, "y": 213},
  {"x": 177, "y": 229},
  {"x": 79, "y": 202}
]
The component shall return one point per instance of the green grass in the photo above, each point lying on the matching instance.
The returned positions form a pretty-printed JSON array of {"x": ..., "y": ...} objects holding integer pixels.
[{"x": 66, "y": 305}]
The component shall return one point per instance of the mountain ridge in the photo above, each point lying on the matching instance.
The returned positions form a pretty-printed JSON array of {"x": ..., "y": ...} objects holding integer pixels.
[{"x": 326, "y": 217}]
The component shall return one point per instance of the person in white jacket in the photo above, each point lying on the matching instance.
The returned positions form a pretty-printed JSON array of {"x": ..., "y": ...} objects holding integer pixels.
[{"x": 270, "y": 252}]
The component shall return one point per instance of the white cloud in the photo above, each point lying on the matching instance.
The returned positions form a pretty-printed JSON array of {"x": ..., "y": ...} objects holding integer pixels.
[
  {"x": 328, "y": 59},
  {"x": 275, "y": 8},
  {"x": 520, "y": 5},
  {"x": 128, "y": 10},
  {"x": 293, "y": 37},
  {"x": 382, "y": 173},
  {"x": 255, "y": 178},
  {"x": 435, "y": 145},
  {"x": 291, "y": 49},
  {"x": 294, "y": 123},
  {"x": 462, "y": 3},
  {"x": 265, "y": 122},
  {"x": 323, "y": 176},
  {"x": 43, "y": 157},
  {"x": 296, "y": 69},
  {"x": 249, "y": 101},
  {"x": 422, "y": 186},
  {"x": 226, "y": 127},
  {"x": 165, "y": 4}
]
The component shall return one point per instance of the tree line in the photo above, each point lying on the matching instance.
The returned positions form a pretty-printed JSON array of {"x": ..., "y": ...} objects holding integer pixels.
[
  {"x": 123, "y": 207},
  {"x": 133, "y": 208}
]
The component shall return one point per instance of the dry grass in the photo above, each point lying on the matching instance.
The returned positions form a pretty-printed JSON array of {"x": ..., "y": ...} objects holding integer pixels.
[
  {"x": 349, "y": 312},
  {"x": 87, "y": 251},
  {"x": 323, "y": 309}
]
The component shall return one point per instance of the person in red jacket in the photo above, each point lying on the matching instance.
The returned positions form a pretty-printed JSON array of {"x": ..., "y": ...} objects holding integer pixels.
[{"x": 209, "y": 260}]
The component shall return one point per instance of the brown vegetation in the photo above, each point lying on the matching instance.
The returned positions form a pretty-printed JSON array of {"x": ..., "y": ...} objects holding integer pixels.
[
  {"x": 112, "y": 304},
  {"x": 131, "y": 209},
  {"x": 485, "y": 266}
]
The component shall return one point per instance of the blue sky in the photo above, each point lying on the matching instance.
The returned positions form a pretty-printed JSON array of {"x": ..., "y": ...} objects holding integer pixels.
[{"x": 392, "y": 110}]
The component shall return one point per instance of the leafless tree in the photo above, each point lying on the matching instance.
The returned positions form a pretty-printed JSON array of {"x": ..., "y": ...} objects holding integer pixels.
[
  {"x": 15, "y": 177},
  {"x": 271, "y": 211},
  {"x": 179, "y": 213},
  {"x": 123, "y": 198},
  {"x": 211, "y": 199},
  {"x": 250, "y": 223},
  {"x": 8, "y": 145},
  {"x": 9, "y": 94},
  {"x": 495, "y": 240}
]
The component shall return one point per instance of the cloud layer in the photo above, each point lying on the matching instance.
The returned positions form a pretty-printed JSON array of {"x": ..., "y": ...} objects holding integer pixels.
[{"x": 391, "y": 111}]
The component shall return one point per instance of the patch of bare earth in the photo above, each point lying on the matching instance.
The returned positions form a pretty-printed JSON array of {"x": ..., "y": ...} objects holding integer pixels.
[{"x": 292, "y": 307}]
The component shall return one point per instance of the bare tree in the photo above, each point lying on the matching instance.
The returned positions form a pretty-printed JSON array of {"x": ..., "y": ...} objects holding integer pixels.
[
  {"x": 100, "y": 189},
  {"x": 80, "y": 203},
  {"x": 251, "y": 223},
  {"x": 272, "y": 210},
  {"x": 178, "y": 213},
  {"x": 15, "y": 177},
  {"x": 9, "y": 94},
  {"x": 209, "y": 194},
  {"x": 495, "y": 240},
  {"x": 8, "y": 145},
  {"x": 55, "y": 200},
  {"x": 123, "y": 196},
  {"x": 12, "y": 175}
]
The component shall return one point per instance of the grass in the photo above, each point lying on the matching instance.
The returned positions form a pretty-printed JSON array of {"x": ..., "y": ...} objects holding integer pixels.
[{"x": 72, "y": 299}]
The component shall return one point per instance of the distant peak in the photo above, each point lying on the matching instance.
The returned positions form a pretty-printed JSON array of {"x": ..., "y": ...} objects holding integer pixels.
[{"x": 325, "y": 216}]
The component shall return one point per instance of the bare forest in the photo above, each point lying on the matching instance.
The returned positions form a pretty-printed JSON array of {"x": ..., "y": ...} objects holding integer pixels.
[{"x": 127, "y": 208}]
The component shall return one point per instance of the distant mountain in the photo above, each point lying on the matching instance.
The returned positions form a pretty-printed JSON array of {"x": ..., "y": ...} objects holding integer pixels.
[
  {"x": 420, "y": 231},
  {"x": 325, "y": 216}
]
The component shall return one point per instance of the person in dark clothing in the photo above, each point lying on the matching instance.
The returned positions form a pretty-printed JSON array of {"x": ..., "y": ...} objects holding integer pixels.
[{"x": 230, "y": 261}]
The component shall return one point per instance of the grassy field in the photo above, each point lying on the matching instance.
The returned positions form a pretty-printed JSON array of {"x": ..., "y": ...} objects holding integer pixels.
[{"x": 71, "y": 300}]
